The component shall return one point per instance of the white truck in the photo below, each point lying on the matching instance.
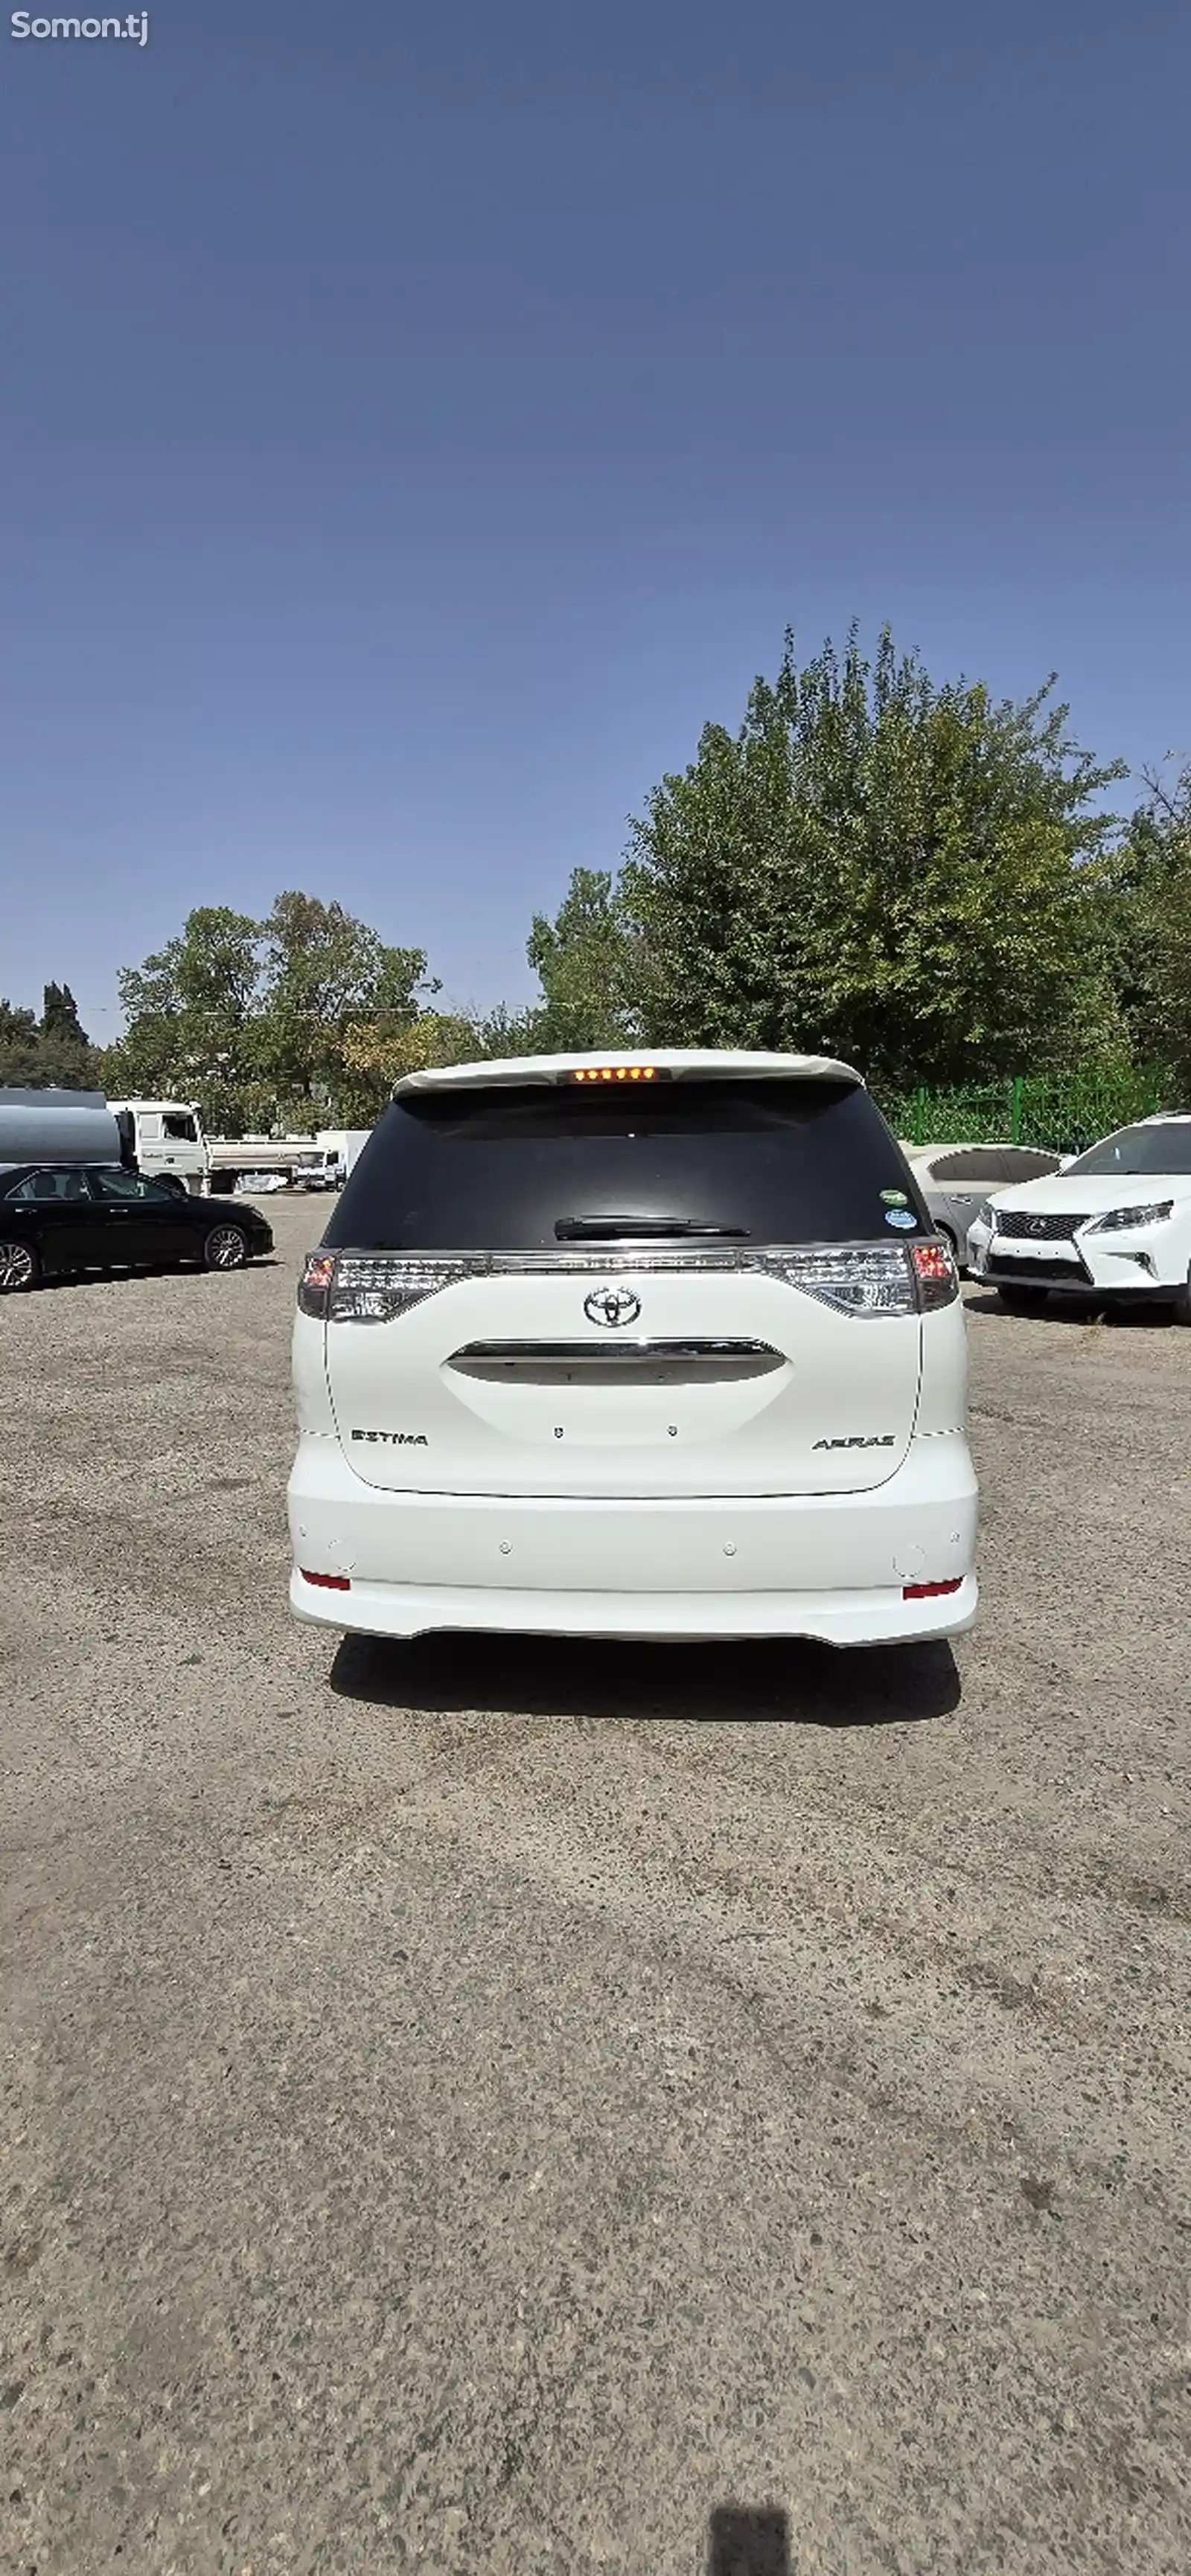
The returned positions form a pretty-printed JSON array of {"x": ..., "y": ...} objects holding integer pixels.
[
  {"x": 292, "y": 1162},
  {"x": 167, "y": 1141},
  {"x": 241, "y": 1159},
  {"x": 162, "y": 1138},
  {"x": 338, "y": 1150}
]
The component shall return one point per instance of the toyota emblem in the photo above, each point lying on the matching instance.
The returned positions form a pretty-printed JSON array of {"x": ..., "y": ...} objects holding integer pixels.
[{"x": 612, "y": 1306}]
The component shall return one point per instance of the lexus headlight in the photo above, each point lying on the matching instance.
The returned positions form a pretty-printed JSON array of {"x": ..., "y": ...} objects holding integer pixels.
[{"x": 1116, "y": 1220}]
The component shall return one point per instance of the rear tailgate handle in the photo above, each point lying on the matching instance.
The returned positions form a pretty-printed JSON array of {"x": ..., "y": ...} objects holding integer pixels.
[{"x": 481, "y": 1359}]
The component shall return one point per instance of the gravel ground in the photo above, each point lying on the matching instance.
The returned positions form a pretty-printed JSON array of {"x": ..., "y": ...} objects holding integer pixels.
[{"x": 485, "y": 2107}]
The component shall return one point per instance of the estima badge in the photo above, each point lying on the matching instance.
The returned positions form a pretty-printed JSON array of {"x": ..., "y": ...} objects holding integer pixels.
[
  {"x": 612, "y": 1306},
  {"x": 397, "y": 1439}
]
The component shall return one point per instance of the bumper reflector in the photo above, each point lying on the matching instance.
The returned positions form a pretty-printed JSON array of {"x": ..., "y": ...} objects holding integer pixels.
[
  {"x": 923, "y": 1591},
  {"x": 328, "y": 1582}
]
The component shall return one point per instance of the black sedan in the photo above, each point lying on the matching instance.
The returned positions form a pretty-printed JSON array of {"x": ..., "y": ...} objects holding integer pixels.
[{"x": 56, "y": 1217}]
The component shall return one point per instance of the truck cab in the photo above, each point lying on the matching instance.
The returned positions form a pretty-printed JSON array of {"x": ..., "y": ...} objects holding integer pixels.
[
  {"x": 325, "y": 1170},
  {"x": 168, "y": 1140}
]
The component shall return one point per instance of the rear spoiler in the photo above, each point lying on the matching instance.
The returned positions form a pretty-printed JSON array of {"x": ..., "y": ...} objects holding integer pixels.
[{"x": 671, "y": 1064}]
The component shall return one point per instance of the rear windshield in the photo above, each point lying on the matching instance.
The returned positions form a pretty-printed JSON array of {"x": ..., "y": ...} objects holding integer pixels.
[{"x": 516, "y": 1170}]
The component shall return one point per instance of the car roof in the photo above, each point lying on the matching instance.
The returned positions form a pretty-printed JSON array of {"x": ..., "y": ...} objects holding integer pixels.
[
  {"x": 722, "y": 1063},
  {"x": 975, "y": 1145},
  {"x": 46, "y": 1163},
  {"x": 967, "y": 1145}
]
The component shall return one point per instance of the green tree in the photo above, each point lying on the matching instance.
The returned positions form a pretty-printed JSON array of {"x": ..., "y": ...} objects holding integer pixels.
[
  {"x": 20, "y": 1045},
  {"x": 251, "y": 1018},
  {"x": 325, "y": 973},
  {"x": 877, "y": 866},
  {"x": 191, "y": 1023},
  {"x": 64, "y": 1048},
  {"x": 210, "y": 973},
  {"x": 584, "y": 961},
  {"x": 60, "y": 1017},
  {"x": 54, "y": 1050},
  {"x": 506, "y": 1032},
  {"x": 1146, "y": 899},
  {"x": 375, "y": 1057}
]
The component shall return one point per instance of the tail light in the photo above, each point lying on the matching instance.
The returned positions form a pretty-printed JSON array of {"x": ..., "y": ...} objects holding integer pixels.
[
  {"x": 377, "y": 1287},
  {"x": 314, "y": 1286},
  {"x": 873, "y": 1281},
  {"x": 936, "y": 1275},
  {"x": 861, "y": 1279}
]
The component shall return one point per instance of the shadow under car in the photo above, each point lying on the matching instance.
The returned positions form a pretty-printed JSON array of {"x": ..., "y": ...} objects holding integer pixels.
[{"x": 740, "y": 1681}]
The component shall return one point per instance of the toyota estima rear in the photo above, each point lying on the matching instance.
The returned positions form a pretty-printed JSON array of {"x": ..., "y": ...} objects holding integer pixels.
[{"x": 597, "y": 1346}]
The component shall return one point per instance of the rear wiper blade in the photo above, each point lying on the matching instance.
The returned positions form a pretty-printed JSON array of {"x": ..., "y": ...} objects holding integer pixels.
[{"x": 610, "y": 1229}]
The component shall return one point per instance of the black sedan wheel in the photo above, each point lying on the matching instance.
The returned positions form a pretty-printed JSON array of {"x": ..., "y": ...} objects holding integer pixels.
[
  {"x": 226, "y": 1248},
  {"x": 18, "y": 1267}
]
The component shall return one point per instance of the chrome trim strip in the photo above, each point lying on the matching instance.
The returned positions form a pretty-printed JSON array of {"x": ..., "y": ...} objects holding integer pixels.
[
  {"x": 617, "y": 1354},
  {"x": 570, "y": 1260}
]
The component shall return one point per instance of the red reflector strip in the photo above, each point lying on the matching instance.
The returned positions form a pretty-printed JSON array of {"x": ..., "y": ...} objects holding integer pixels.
[
  {"x": 930, "y": 1591},
  {"x": 327, "y": 1582}
]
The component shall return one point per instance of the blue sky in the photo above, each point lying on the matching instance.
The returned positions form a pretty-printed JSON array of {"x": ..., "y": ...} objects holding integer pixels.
[{"x": 418, "y": 420}]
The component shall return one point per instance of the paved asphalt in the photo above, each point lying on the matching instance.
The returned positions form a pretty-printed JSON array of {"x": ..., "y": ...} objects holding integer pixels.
[{"x": 486, "y": 2108}]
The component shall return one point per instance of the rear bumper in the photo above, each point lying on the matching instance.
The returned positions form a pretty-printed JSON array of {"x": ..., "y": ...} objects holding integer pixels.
[{"x": 825, "y": 1566}]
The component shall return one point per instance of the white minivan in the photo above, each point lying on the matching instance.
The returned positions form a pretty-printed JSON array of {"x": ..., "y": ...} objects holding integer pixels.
[{"x": 618, "y": 1346}]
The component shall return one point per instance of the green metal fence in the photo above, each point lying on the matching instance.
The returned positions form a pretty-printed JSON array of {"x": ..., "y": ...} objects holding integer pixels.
[{"x": 1065, "y": 1111}]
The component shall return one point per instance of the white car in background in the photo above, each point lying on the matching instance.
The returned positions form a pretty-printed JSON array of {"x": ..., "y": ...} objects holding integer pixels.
[
  {"x": 1114, "y": 1226},
  {"x": 956, "y": 1180}
]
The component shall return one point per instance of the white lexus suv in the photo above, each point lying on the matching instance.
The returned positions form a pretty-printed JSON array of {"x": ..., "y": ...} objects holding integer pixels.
[
  {"x": 604, "y": 1346},
  {"x": 1114, "y": 1227}
]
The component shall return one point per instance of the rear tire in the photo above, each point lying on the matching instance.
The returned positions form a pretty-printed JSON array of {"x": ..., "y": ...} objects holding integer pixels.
[
  {"x": 19, "y": 1268},
  {"x": 225, "y": 1248},
  {"x": 1023, "y": 1301}
]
